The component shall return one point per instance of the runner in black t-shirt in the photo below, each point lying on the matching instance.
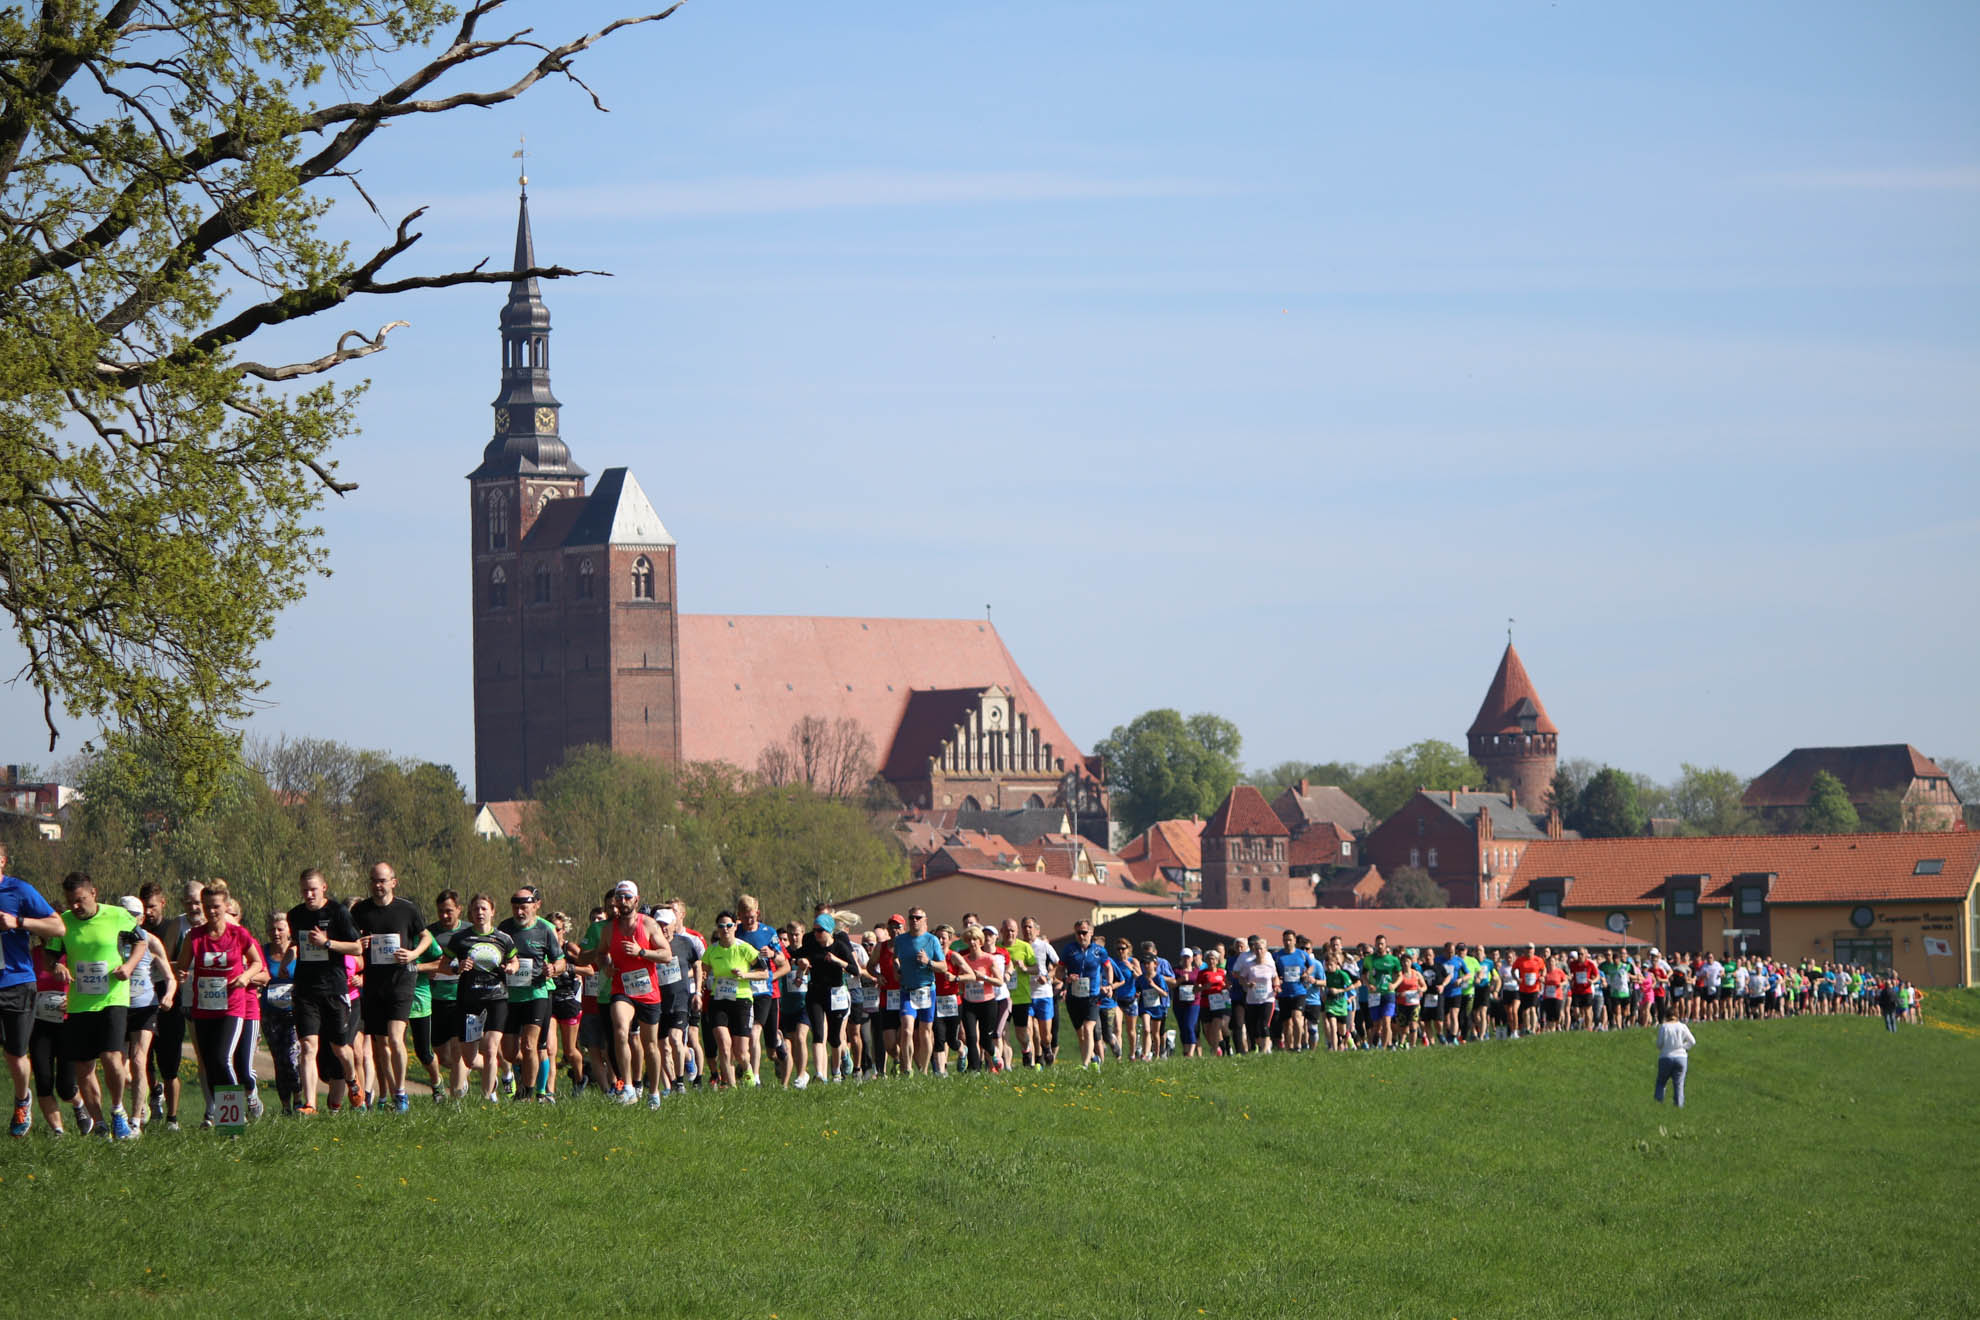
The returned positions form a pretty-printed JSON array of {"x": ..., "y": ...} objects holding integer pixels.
[
  {"x": 392, "y": 939},
  {"x": 482, "y": 956},
  {"x": 324, "y": 937}
]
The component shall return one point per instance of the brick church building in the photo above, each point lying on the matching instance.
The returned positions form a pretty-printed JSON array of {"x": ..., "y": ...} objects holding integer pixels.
[{"x": 579, "y": 639}]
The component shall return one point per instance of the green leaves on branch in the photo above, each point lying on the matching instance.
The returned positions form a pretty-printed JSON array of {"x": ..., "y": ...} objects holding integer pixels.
[
  {"x": 162, "y": 174},
  {"x": 1164, "y": 767}
]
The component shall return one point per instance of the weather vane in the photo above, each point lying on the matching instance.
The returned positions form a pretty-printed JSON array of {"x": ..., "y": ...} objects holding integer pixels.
[
  {"x": 1509, "y": 624},
  {"x": 521, "y": 153}
]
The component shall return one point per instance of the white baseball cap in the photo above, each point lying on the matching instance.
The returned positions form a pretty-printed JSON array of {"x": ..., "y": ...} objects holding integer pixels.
[
  {"x": 626, "y": 889},
  {"x": 133, "y": 906}
]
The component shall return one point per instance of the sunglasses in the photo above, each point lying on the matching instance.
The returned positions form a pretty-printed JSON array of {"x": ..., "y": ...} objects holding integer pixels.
[{"x": 725, "y": 925}]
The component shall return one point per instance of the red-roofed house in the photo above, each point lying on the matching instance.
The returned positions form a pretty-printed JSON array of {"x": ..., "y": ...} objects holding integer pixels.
[
  {"x": 1244, "y": 856},
  {"x": 500, "y": 820},
  {"x": 1170, "y": 851},
  {"x": 1058, "y": 903},
  {"x": 1913, "y": 781},
  {"x": 1895, "y": 900}
]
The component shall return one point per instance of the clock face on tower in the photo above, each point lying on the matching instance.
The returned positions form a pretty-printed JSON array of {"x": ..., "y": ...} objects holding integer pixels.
[
  {"x": 546, "y": 420},
  {"x": 501, "y": 421}
]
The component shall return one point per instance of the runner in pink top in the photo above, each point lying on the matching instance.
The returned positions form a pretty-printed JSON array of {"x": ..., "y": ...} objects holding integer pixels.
[{"x": 218, "y": 967}]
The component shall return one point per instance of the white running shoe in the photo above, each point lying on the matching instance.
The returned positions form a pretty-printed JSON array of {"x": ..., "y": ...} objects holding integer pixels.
[{"x": 803, "y": 1080}]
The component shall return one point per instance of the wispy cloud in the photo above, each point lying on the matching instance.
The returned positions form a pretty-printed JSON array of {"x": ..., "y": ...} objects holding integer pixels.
[
  {"x": 847, "y": 189},
  {"x": 1955, "y": 178}
]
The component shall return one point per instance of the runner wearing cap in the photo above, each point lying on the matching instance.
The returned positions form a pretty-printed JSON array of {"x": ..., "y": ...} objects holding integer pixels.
[
  {"x": 152, "y": 979},
  {"x": 680, "y": 987},
  {"x": 639, "y": 955},
  {"x": 733, "y": 968},
  {"x": 539, "y": 958},
  {"x": 24, "y": 915},
  {"x": 1189, "y": 1006},
  {"x": 829, "y": 965}
]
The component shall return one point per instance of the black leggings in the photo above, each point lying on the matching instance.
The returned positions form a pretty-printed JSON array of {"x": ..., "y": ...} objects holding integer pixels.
[
  {"x": 827, "y": 1024},
  {"x": 948, "y": 1032},
  {"x": 1257, "y": 1025},
  {"x": 52, "y": 1076},
  {"x": 981, "y": 1025},
  {"x": 420, "y": 1033},
  {"x": 281, "y": 1035},
  {"x": 217, "y": 1042}
]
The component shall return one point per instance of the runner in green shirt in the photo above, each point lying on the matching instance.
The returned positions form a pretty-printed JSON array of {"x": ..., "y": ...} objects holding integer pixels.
[
  {"x": 437, "y": 1022},
  {"x": 101, "y": 945},
  {"x": 1380, "y": 970},
  {"x": 539, "y": 957},
  {"x": 1339, "y": 1002}
]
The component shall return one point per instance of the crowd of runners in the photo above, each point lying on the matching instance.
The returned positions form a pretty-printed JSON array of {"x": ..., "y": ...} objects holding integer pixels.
[{"x": 634, "y": 1003}]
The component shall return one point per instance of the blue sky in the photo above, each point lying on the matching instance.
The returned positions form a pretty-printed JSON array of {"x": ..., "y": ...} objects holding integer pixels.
[{"x": 1260, "y": 358}]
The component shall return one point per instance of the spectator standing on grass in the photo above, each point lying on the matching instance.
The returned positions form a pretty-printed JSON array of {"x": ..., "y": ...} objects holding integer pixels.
[
  {"x": 1674, "y": 1042},
  {"x": 1888, "y": 1002}
]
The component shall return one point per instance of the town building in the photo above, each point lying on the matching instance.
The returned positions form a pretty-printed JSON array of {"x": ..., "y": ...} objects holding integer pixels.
[
  {"x": 579, "y": 639},
  {"x": 1512, "y": 738},
  {"x": 1470, "y": 842},
  {"x": 1169, "y": 852},
  {"x": 1058, "y": 902},
  {"x": 1895, "y": 780},
  {"x": 1902, "y": 901},
  {"x": 1245, "y": 854}
]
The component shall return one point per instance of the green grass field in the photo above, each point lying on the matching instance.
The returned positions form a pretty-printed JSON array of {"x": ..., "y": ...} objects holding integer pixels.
[{"x": 1823, "y": 1167}]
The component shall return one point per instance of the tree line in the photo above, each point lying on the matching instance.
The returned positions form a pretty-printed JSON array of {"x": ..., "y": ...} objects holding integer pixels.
[{"x": 703, "y": 831}]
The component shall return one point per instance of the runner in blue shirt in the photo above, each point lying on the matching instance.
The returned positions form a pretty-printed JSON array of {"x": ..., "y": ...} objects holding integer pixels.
[
  {"x": 1089, "y": 984},
  {"x": 1152, "y": 988},
  {"x": 1117, "y": 1027},
  {"x": 916, "y": 956},
  {"x": 24, "y": 913}
]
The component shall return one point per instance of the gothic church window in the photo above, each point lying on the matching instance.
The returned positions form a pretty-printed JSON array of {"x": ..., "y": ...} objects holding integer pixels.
[
  {"x": 543, "y": 584},
  {"x": 642, "y": 578},
  {"x": 584, "y": 579},
  {"x": 498, "y": 588},
  {"x": 498, "y": 521}
]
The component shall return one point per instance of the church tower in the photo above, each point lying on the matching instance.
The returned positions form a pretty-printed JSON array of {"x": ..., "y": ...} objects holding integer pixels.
[
  {"x": 1512, "y": 738},
  {"x": 573, "y": 594}
]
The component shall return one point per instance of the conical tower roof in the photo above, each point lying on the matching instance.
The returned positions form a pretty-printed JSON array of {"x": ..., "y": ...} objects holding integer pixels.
[{"x": 1509, "y": 701}]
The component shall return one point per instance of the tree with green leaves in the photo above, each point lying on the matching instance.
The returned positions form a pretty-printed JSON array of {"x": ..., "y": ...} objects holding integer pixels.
[
  {"x": 1710, "y": 800},
  {"x": 1607, "y": 807},
  {"x": 1385, "y": 786},
  {"x": 164, "y": 169},
  {"x": 1829, "y": 809},
  {"x": 1162, "y": 766},
  {"x": 1411, "y": 887}
]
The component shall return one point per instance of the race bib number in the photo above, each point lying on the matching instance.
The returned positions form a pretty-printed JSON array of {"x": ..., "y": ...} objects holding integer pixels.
[
  {"x": 947, "y": 1006},
  {"x": 307, "y": 952},
  {"x": 1259, "y": 994},
  {"x": 1082, "y": 987},
  {"x": 1411, "y": 998},
  {"x": 1151, "y": 998},
  {"x": 93, "y": 978},
  {"x": 921, "y": 996},
  {"x": 212, "y": 994},
  {"x": 638, "y": 982},
  {"x": 523, "y": 975},
  {"x": 976, "y": 992},
  {"x": 1553, "y": 992},
  {"x": 668, "y": 973},
  {"x": 50, "y": 1005},
  {"x": 281, "y": 996},
  {"x": 893, "y": 1001},
  {"x": 1219, "y": 1000},
  {"x": 728, "y": 987},
  {"x": 384, "y": 950},
  {"x": 471, "y": 1028},
  {"x": 1433, "y": 1001},
  {"x": 841, "y": 1000},
  {"x": 1185, "y": 994},
  {"x": 589, "y": 988}
]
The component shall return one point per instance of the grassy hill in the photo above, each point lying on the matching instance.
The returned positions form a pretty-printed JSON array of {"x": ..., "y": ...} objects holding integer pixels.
[{"x": 1822, "y": 1167}]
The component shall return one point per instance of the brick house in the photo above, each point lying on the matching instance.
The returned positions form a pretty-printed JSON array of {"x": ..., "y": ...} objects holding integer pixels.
[
  {"x": 1469, "y": 842},
  {"x": 1245, "y": 849},
  {"x": 1897, "y": 772},
  {"x": 1170, "y": 851}
]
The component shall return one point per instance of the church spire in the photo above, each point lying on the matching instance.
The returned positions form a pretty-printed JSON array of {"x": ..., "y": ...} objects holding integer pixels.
[{"x": 527, "y": 431}]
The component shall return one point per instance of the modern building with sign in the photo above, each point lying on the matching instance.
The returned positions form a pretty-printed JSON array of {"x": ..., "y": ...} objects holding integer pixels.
[{"x": 1902, "y": 901}]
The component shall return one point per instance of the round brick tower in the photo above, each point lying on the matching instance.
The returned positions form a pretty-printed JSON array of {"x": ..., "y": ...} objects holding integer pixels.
[{"x": 1512, "y": 738}]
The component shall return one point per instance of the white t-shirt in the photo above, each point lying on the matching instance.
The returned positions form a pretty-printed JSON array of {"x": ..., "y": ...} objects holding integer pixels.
[{"x": 1673, "y": 1039}]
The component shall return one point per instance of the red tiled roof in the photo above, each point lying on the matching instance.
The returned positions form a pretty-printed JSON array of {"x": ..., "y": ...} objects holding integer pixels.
[
  {"x": 1510, "y": 686},
  {"x": 1244, "y": 812},
  {"x": 1108, "y": 895},
  {"x": 1807, "y": 868},
  {"x": 1864, "y": 772},
  {"x": 746, "y": 679},
  {"x": 508, "y": 816},
  {"x": 1405, "y": 927},
  {"x": 1056, "y": 850},
  {"x": 1165, "y": 843},
  {"x": 1319, "y": 846}
]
